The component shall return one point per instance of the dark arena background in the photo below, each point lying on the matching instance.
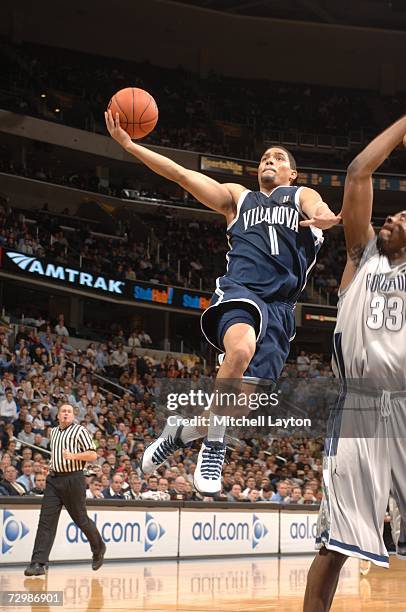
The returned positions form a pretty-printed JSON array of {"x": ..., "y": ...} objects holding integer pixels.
[{"x": 106, "y": 267}]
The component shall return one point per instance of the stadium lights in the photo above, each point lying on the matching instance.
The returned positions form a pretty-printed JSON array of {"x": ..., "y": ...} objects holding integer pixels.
[
  {"x": 43, "y": 95},
  {"x": 57, "y": 110}
]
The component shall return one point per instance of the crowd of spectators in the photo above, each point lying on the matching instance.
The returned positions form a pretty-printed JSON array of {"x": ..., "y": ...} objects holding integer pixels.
[
  {"x": 39, "y": 371},
  {"x": 59, "y": 174},
  {"x": 216, "y": 114},
  {"x": 329, "y": 267},
  {"x": 182, "y": 252}
]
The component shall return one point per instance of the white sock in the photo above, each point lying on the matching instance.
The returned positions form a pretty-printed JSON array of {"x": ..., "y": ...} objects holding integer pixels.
[
  {"x": 189, "y": 434},
  {"x": 216, "y": 430}
]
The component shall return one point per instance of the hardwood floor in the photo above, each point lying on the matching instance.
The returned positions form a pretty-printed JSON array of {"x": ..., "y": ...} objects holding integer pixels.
[{"x": 219, "y": 585}]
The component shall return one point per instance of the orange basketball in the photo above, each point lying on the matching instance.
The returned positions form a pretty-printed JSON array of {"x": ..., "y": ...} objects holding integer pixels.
[{"x": 137, "y": 109}]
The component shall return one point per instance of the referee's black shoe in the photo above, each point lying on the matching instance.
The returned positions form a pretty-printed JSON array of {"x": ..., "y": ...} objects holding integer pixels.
[
  {"x": 35, "y": 569},
  {"x": 98, "y": 558}
]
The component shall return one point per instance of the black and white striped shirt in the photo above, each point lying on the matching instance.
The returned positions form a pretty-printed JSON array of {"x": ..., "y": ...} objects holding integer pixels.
[{"x": 74, "y": 438}]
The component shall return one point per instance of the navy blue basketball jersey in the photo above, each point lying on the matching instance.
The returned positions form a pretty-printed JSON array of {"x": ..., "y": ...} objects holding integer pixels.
[{"x": 270, "y": 253}]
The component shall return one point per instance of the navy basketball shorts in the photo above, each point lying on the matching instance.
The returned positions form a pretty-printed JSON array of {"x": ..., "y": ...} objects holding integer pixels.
[{"x": 274, "y": 325}]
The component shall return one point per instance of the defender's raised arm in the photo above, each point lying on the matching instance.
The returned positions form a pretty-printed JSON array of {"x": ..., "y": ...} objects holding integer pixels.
[{"x": 358, "y": 194}]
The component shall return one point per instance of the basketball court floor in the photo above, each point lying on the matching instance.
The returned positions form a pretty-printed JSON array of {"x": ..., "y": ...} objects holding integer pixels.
[{"x": 219, "y": 585}]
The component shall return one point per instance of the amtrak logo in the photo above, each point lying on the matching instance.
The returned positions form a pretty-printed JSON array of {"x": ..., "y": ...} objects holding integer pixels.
[
  {"x": 70, "y": 275},
  {"x": 153, "y": 531},
  {"x": 13, "y": 531},
  {"x": 22, "y": 261},
  {"x": 259, "y": 531}
]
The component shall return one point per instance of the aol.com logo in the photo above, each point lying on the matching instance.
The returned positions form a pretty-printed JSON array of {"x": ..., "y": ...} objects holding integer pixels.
[
  {"x": 216, "y": 530},
  {"x": 259, "y": 531},
  {"x": 13, "y": 531},
  {"x": 120, "y": 532},
  {"x": 153, "y": 531}
]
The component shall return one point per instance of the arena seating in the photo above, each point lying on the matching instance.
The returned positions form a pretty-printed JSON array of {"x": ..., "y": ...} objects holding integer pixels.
[
  {"x": 181, "y": 252},
  {"x": 216, "y": 114},
  {"x": 39, "y": 370}
]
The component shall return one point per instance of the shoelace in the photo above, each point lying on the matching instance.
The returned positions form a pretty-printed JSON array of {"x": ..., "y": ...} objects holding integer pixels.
[
  {"x": 166, "y": 448},
  {"x": 212, "y": 462}
]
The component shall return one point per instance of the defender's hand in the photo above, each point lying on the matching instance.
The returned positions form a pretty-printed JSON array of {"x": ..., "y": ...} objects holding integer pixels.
[{"x": 116, "y": 132}]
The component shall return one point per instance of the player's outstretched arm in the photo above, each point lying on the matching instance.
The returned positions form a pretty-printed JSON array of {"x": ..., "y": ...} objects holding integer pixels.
[
  {"x": 318, "y": 212},
  {"x": 221, "y": 198},
  {"x": 358, "y": 194}
]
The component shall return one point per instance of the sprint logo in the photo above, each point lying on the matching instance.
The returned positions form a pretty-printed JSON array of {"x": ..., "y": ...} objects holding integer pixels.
[
  {"x": 13, "y": 531},
  {"x": 70, "y": 275}
]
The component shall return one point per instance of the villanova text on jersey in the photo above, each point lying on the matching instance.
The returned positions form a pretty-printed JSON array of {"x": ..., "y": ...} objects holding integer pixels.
[{"x": 270, "y": 253}]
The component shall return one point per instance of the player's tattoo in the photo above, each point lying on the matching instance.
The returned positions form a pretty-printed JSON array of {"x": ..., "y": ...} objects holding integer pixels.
[{"x": 355, "y": 253}]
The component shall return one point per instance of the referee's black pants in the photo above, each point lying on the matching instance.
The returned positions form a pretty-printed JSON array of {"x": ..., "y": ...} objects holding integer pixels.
[{"x": 67, "y": 490}]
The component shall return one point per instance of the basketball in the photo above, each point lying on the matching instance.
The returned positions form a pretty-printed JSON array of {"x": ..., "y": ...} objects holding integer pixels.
[{"x": 137, "y": 110}]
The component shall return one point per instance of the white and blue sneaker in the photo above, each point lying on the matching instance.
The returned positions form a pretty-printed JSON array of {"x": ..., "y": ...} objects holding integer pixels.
[
  {"x": 163, "y": 447},
  {"x": 207, "y": 476}
]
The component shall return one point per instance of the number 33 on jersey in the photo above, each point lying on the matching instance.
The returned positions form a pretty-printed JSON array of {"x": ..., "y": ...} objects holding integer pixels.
[{"x": 370, "y": 337}]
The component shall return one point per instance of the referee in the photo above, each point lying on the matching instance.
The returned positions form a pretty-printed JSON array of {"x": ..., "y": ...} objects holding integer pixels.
[{"x": 71, "y": 447}]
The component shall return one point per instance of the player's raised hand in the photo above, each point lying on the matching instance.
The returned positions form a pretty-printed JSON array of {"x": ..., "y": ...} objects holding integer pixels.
[
  {"x": 116, "y": 132},
  {"x": 323, "y": 220}
]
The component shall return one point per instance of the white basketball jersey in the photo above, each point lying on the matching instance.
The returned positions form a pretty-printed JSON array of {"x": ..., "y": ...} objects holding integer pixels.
[{"x": 370, "y": 335}]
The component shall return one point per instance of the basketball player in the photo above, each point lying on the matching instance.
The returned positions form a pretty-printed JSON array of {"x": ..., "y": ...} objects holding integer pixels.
[
  {"x": 251, "y": 317},
  {"x": 369, "y": 356}
]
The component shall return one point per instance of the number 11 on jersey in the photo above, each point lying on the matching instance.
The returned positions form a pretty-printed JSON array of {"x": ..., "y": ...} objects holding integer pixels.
[{"x": 273, "y": 237}]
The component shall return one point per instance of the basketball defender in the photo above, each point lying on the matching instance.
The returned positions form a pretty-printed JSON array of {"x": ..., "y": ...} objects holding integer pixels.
[
  {"x": 274, "y": 234},
  {"x": 369, "y": 356}
]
